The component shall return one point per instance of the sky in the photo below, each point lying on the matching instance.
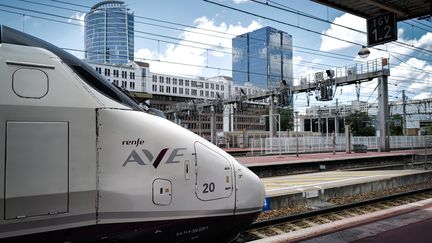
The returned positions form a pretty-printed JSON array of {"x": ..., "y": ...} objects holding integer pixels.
[{"x": 193, "y": 38}]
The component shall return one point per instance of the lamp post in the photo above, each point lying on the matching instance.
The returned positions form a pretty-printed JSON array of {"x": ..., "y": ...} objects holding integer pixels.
[
  {"x": 297, "y": 128},
  {"x": 279, "y": 127}
]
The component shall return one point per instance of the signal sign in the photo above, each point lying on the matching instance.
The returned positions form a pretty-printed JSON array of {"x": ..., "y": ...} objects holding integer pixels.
[{"x": 381, "y": 29}]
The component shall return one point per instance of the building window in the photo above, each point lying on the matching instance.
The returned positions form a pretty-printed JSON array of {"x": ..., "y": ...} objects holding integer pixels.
[
  {"x": 168, "y": 80},
  {"x": 187, "y": 83},
  {"x": 217, "y": 86},
  {"x": 132, "y": 85},
  {"x": 161, "y": 88},
  {"x": 180, "y": 90},
  {"x": 124, "y": 74},
  {"x": 161, "y": 79},
  {"x": 212, "y": 86},
  {"x": 207, "y": 94},
  {"x": 181, "y": 82},
  {"x": 201, "y": 93},
  {"x": 115, "y": 73},
  {"x": 154, "y": 77},
  {"x": 174, "y": 81},
  {"x": 187, "y": 91},
  {"x": 99, "y": 70},
  {"x": 132, "y": 75},
  {"x": 194, "y": 92},
  {"x": 212, "y": 94},
  {"x": 107, "y": 72},
  {"x": 174, "y": 90},
  {"x": 222, "y": 87},
  {"x": 115, "y": 82},
  {"x": 168, "y": 89},
  {"x": 154, "y": 88},
  {"x": 206, "y": 85},
  {"x": 124, "y": 84},
  {"x": 193, "y": 83}
]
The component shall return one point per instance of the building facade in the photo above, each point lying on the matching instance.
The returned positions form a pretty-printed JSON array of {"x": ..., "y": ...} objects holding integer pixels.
[
  {"x": 132, "y": 76},
  {"x": 165, "y": 91},
  {"x": 262, "y": 57},
  {"x": 326, "y": 119},
  {"x": 109, "y": 33}
]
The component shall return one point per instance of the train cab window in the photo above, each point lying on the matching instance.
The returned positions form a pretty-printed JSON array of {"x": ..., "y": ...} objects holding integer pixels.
[{"x": 30, "y": 83}]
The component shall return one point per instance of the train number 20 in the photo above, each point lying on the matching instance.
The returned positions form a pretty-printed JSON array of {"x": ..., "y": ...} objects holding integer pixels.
[{"x": 209, "y": 187}]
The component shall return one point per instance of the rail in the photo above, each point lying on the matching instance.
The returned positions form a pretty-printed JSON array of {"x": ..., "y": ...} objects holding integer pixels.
[{"x": 394, "y": 200}]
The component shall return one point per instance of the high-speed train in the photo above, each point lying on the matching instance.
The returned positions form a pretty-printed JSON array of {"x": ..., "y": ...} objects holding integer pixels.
[{"x": 81, "y": 161}]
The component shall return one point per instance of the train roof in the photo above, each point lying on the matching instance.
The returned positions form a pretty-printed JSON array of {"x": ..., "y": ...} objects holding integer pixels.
[{"x": 81, "y": 68}]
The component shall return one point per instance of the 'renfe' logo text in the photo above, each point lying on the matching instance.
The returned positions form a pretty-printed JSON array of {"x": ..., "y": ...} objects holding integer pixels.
[{"x": 136, "y": 142}]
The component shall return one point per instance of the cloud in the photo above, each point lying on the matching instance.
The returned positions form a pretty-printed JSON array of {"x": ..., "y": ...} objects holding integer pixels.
[
  {"x": 240, "y": 1},
  {"x": 196, "y": 55},
  {"x": 423, "y": 95},
  {"x": 409, "y": 73},
  {"x": 354, "y": 22},
  {"x": 77, "y": 18}
]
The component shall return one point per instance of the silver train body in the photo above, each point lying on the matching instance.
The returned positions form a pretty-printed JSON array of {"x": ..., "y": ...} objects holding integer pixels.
[{"x": 82, "y": 161}]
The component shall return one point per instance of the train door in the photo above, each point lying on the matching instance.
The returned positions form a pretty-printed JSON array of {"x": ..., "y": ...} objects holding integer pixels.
[
  {"x": 214, "y": 174},
  {"x": 36, "y": 175}
]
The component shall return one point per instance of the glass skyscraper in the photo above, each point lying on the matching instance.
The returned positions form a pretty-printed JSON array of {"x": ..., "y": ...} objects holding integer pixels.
[
  {"x": 109, "y": 33},
  {"x": 262, "y": 57}
]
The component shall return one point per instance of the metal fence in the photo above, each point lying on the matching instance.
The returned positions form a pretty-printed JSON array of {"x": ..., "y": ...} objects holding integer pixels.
[{"x": 307, "y": 144}]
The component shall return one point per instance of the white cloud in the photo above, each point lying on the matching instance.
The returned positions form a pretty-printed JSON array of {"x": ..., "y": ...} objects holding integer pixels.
[
  {"x": 354, "y": 22},
  {"x": 240, "y": 1},
  {"x": 412, "y": 75},
  {"x": 197, "y": 58},
  {"x": 423, "y": 95},
  {"x": 77, "y": 18}
]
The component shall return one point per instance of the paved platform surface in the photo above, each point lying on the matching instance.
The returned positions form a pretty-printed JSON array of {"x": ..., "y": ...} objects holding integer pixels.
[
  {"x": 283, "y": 185},
  {"x": 413, "y": 227},
  {"x": 411, "y": 223},
  {"x": 319, "y": 157}
]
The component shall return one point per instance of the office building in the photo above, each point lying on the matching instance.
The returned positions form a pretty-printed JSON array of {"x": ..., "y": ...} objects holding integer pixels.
[
  {"x": 262, "y": 57},
  {"x": 109, "y": 33},
  {"x": 165, "y": 91}
]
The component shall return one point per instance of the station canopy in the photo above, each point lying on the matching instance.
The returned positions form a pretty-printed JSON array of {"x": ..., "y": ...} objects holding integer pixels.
[{"x": 403, "y": 9}]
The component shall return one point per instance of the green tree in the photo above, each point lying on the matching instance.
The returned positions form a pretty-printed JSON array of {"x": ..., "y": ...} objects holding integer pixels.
[
  {"x": 361, "y": 124},
  {"x": 287, "y": 119},
  {"x": 429, "y": 129},
  {"x": 396, "y": 125}
]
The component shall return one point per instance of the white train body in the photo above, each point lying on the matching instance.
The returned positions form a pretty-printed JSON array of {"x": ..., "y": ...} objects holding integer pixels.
[{"x": 80, "y": 161}]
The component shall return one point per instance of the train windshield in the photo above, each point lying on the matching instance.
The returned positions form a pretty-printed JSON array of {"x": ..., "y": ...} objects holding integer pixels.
[{"x": 82, "y": 69}]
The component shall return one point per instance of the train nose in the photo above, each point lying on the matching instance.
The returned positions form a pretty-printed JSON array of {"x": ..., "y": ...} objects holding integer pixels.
[{"x": 250, "y": 193}]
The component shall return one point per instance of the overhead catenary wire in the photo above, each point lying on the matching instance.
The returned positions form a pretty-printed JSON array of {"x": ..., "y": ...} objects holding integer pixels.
[
  {"x": 186, "y": 30},
  {"x": 138, "y": 31},
  {"x": 65, "y": 22}
]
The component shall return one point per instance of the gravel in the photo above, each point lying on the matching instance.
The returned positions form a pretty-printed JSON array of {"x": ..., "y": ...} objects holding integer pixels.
[{"x": 303, "y": 207}]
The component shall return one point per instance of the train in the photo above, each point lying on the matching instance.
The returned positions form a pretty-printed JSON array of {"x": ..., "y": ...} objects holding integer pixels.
[{"x": 82, "y": 161}]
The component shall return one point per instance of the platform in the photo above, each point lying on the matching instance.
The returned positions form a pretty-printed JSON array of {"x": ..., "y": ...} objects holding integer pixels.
[
  {"x": 283, "y": 191},
  {"x": 269, "y": 166}
]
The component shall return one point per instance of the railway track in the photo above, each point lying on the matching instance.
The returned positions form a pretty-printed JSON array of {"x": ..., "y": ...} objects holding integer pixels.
[{"x": 286, "y": 224}]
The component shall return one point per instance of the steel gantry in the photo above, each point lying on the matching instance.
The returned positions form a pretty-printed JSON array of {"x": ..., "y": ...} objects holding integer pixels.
[{"x": 324, "y": 85}]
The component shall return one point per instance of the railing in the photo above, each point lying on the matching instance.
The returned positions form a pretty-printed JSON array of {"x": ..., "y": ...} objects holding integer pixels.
[{"x": 308, "y": 144}]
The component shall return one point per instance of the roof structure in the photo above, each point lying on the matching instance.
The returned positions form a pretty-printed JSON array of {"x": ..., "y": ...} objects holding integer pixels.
[{"x": 404, "y": 9}]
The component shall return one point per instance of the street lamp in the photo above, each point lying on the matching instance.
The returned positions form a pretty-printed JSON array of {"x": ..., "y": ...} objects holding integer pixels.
[{"x": 363, "y": 52}]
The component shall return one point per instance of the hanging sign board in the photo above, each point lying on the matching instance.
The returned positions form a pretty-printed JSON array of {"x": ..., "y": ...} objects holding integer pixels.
[{"x": 381, "y": 29}]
